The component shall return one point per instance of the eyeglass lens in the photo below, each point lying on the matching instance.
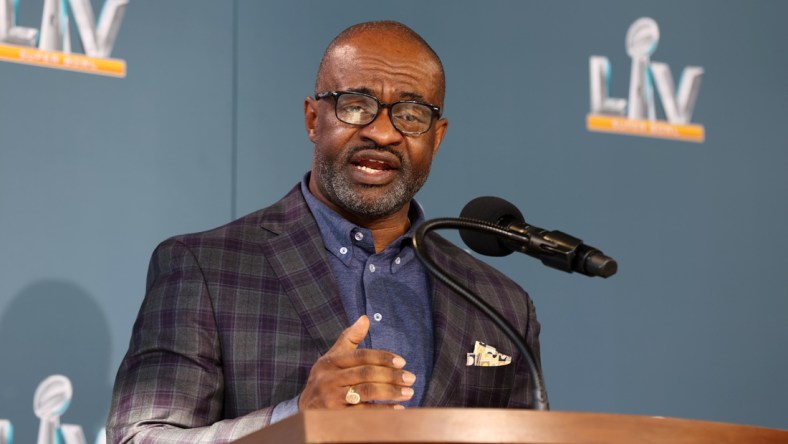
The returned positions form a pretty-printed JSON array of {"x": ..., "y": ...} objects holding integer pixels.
[{"x": 357, "y": 109}]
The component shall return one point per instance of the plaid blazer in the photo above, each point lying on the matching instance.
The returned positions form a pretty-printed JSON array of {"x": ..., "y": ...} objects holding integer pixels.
[{"x": 233, "y": 319}]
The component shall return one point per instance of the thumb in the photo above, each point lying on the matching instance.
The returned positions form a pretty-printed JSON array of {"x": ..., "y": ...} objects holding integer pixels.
[{"x": 352, "y": 336}]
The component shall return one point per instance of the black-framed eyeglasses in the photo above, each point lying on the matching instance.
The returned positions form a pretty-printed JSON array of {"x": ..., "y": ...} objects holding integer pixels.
[{"x": 408, "y": 116}]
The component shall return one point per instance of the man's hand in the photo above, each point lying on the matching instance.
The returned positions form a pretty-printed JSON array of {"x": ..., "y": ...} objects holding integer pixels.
[{"x": 376, "y": 375}]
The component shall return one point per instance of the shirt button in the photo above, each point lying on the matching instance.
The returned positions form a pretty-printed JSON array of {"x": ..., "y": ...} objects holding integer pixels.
[
  {"x": 372, "y": 268},
  {"x": 397, "y": 261},
  {"x": 359, "y": 236},
  {"x": 377, "y": 316},
  {"x": 343, "y": 250}
]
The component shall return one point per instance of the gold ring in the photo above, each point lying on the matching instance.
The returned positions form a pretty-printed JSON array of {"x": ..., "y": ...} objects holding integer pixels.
[{"x": 352, "y": 397}]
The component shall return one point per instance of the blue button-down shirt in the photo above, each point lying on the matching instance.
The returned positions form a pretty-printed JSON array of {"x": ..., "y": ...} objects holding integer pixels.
[{"x": 391, "y": 287}]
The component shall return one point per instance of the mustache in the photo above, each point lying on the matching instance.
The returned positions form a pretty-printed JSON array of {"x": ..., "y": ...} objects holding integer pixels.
[{"x": 377, "y": 147}]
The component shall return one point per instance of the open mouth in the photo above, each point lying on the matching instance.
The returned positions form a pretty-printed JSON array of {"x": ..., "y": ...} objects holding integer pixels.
[
  {"x": 372, "y": 166},
  {"x": 375, "y": 166}
]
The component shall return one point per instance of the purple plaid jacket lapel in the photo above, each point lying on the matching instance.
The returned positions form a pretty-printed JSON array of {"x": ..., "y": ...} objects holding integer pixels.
[
  {"x": 458, "y": 325},
  {"x": 452, "y": 330},
  {"x": 451, "y": 334},
  {"x": 298, "y": 257}
]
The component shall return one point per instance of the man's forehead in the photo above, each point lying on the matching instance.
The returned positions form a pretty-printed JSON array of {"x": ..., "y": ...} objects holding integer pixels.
[
  {"x": 383, "y": 47},
  {"x": 350, "y": 62},
  {"x": 389, "y": 61}
]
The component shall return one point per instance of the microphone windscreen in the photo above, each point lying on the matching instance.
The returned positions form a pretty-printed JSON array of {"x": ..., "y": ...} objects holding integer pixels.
[{"x": 495, "y": 211}]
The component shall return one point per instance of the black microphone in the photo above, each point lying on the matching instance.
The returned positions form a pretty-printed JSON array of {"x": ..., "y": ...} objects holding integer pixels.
[{"x": 554, "y": 248}]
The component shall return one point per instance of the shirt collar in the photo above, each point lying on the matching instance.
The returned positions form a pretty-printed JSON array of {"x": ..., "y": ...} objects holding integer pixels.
[{"x": 340, "y": 236}]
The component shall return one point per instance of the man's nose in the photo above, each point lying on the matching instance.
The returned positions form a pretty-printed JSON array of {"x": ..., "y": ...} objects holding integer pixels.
[{"x": 381, "y": 130}]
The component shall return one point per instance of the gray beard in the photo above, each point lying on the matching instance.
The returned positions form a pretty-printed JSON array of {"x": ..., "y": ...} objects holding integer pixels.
[{"x": 339, "y": 191}]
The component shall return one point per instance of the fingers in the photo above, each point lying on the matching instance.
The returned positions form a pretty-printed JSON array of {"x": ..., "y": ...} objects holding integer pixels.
[
  {"x": 365, "y": 356},
  {"x": 354, "y": 335},
  {"x": 351, "y": 377},
  {"x": 376, "y": 375},
  {"x": 368, "y": 393},
  {"x": 366, "y": 405},
  {"x": 371, "y": 405},
  {"x": 345, "y": 352},
  {"x": 383, "y": 392},
  {"x": 328, "y": 387}
]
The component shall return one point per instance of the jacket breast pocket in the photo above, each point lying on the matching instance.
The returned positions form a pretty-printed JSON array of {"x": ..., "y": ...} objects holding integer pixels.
[{"x": 488, "y": 386}]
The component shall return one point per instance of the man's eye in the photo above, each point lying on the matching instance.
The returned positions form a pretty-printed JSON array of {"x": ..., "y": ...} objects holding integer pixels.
[
  {"x": 411, "y": 116},
  {"x": 355, "y": 109},
  {"x": 407, "y": 118}
]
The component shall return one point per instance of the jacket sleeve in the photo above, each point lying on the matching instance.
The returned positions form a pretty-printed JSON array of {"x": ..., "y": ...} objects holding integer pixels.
[{"x": 170, "y": 385}]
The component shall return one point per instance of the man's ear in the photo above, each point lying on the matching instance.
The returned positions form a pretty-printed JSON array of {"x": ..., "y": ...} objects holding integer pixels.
[
  {"x": 440, "y": 130},
  {"x": 310, "y": 117}
]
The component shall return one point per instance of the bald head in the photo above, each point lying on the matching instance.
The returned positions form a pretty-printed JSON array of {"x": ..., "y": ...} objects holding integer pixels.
[{"x": 384, "y": 32}]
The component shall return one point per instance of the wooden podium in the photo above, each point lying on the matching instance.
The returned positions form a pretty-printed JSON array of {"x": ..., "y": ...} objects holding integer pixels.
[{"x": 426, "y": 425}]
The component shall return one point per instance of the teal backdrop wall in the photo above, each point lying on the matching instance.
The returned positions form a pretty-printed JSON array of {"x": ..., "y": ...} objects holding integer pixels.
[{"x": 208, "y": 126}]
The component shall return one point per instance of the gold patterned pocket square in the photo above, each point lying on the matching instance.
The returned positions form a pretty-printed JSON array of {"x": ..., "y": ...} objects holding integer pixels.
[{"x": 486, "y": 356}]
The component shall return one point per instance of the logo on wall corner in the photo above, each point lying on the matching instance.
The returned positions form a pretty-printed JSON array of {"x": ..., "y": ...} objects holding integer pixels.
[
  {"x": 637, "y": 114},
  {"x": 51, "y": 45}
]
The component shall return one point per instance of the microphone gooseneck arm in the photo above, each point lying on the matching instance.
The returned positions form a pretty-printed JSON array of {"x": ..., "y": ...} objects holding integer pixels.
[{"x": 538, "y": 390}]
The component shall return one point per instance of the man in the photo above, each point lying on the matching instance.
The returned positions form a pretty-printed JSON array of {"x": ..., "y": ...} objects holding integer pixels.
[{"x": 318, "y": 300}]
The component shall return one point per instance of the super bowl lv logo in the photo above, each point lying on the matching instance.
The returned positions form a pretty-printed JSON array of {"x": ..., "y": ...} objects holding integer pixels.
[
  {"x": 50, "y": 45},
  {"x": 637, "y": 114}
]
